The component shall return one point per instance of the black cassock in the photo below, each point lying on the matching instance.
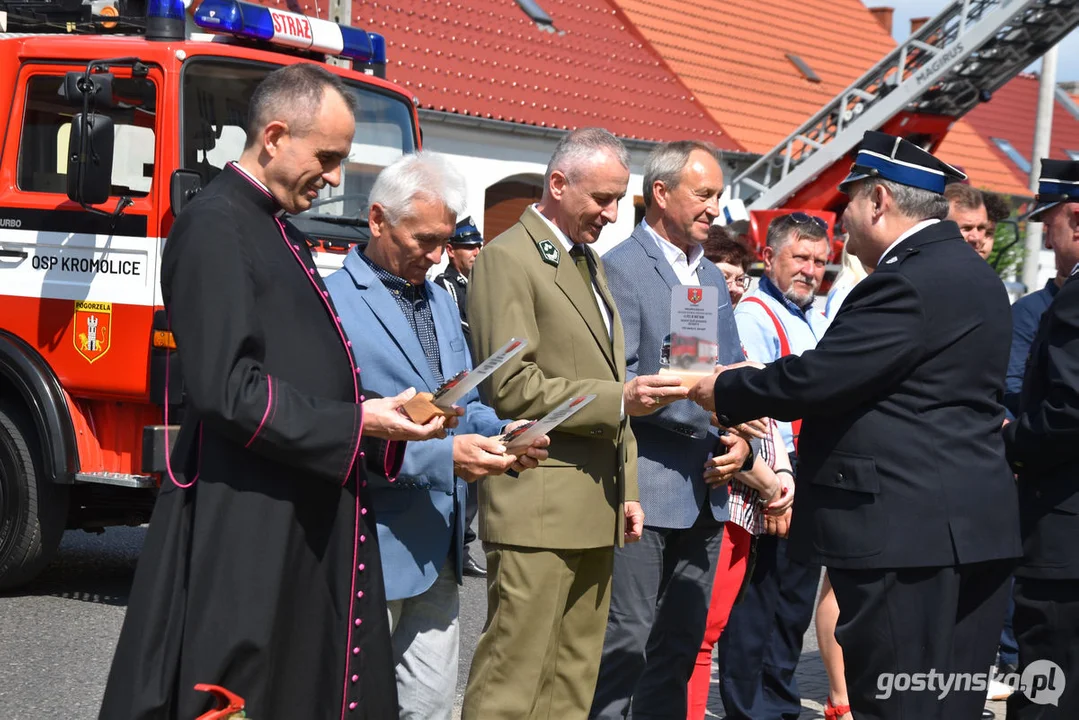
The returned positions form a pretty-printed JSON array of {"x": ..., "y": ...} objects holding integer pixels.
[{"x": 260, "y": 571}]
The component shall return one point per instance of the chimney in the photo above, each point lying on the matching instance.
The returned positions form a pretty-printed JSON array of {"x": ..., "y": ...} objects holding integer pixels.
[
  {"x": 916, "y": 24},
  {"x": 884, "y": 17}
]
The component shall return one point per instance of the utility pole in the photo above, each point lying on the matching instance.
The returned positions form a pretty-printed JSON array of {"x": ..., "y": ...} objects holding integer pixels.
[
  {"x": 1043, "y": 131},
  {"x": 340, "y": 12}
]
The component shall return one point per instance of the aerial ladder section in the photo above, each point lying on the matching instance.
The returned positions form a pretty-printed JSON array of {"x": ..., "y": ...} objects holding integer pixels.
[{"x": 955, "y": 61}]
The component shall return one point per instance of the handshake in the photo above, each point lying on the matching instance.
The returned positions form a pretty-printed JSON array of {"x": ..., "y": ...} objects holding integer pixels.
[
  {"x": 704, "y": 392},
  {"x": 474, "y": 456},
  {"x": 645, "y": 394}
]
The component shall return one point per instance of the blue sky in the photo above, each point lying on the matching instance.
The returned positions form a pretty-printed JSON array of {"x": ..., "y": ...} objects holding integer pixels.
[{"x": 1067, "y": 54}]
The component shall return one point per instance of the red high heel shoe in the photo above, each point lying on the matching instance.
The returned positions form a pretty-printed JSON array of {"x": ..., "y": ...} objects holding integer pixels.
[
  {"x": 834, "y": 712},
  {"x": 227, "y": 705}
]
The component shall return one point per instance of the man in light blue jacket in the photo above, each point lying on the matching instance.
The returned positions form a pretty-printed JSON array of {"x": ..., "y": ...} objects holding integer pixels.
[{"x": 406, "y": 332}]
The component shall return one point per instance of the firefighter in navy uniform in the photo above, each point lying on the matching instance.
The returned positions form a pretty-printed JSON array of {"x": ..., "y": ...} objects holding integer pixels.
[
  {"x": 461, "y": 250},
  {"x": 904, "y": 493},
  {"x": 1042, "y": 449}
]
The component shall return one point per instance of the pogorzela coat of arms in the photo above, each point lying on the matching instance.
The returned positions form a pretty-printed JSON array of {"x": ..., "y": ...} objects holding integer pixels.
[{"x": 92, "y": 332}]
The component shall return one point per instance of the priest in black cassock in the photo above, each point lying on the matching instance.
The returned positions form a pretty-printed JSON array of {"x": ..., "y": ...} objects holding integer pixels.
[{"x": 261, "y": 571}]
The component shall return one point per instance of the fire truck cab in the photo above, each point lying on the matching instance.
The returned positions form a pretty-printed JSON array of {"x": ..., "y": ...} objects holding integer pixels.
[{"x": 114, "y": 121}]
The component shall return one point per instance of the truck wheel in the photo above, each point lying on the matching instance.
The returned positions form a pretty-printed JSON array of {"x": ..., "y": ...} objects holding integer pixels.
[{"x": 33, "y": 509}]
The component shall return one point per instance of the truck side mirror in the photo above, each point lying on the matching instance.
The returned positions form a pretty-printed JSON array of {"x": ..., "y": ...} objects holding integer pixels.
[
  {"x": 89, "y": 159},
  {"x": 183, "y": 185},
  {"x": 98, "y": 85}
]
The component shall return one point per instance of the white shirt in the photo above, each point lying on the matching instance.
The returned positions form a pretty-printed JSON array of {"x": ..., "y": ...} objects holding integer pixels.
[
  {"x": 920, "y": 226},
  {"x": 685, "y": 268},
  {"x": 567, "y": 244}
]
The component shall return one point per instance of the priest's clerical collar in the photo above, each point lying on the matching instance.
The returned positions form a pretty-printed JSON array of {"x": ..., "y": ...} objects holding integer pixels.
[{"x": 265, "y": 196}]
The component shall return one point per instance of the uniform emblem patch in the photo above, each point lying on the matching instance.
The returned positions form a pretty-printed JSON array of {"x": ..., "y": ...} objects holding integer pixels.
[
  {"x": 548, "y": 252},
  {"x": 92, "y": 329}
]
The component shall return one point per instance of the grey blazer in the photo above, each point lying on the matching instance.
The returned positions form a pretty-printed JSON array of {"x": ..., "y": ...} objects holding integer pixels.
[{"x": 673, "y": 443}]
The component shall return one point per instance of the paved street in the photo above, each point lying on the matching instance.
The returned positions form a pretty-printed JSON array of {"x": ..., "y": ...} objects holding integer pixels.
[{"x": 57, "y": 636}]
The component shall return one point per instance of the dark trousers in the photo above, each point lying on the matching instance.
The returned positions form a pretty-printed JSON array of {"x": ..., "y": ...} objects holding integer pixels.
[
  {"x": 761, "y": 645},
  {"x": 471, "y": 507},
  {"x": 1047, "y": 628},
  {"x": 938, "y": 623},
  {"x": 1009, "y": 648},
  {"x": 660, "y": 593}
]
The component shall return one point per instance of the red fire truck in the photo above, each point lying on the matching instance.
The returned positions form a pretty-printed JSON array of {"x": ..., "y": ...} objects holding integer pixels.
[
  {"x": 115, "y": 117},
  {"x": 687, "y": 351}
]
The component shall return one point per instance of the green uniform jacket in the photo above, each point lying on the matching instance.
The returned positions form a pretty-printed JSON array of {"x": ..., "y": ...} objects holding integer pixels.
[{"x": 525, "y": 285}]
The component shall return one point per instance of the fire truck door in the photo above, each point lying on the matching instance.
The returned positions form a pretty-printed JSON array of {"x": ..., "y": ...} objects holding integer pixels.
[{"x": 80, "y": 286}]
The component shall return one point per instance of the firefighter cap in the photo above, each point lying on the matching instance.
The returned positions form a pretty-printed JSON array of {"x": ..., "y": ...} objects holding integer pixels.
[
  {"x": 1058, "y": 183},
  {"x": 466, "y": 234},
  {"x": 900, "y": 161}
]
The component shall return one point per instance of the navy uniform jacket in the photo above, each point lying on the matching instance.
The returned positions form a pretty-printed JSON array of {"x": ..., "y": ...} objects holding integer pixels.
[
  {"x": 901, "y": 458},
  {"x": 1043, "y": 443}
]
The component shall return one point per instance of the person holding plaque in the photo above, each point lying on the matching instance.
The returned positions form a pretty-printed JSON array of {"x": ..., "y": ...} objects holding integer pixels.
[
  {"x": 550, "y": 533},
  {"x": 662, "y": 585},
  {"x": 904, "y": 493},
  {"x": 412, "y": 337}
]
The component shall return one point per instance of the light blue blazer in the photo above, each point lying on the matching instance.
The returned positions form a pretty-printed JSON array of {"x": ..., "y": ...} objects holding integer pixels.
[{"x": 420, "y": 515}]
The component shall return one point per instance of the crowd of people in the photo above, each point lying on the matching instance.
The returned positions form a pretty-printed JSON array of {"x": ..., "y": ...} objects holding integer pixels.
[{"x": 857, "y": 459}]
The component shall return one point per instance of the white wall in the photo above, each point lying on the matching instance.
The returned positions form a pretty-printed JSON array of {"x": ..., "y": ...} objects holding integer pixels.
[{"x": 486, "y": 157}]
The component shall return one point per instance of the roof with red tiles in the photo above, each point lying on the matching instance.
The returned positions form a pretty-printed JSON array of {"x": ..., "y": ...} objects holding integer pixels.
[
  {"x": 734, "y": 55},
  {"x": 488, "y": 59},
  {"x": 1010, "y": 115},
  {"x": 968, "y": 150}
]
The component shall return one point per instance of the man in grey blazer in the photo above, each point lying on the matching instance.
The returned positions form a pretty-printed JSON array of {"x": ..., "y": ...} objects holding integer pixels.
[{"x": 662, "y": 585}]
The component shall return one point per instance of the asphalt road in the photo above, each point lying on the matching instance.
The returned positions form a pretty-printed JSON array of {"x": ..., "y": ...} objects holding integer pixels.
[{"x": 57, "y": 635}]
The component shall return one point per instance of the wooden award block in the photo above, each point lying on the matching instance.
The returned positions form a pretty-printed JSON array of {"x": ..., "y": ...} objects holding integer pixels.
[
  {"x": 689, "y": 377},
  {"x": 420, "y": 409}
]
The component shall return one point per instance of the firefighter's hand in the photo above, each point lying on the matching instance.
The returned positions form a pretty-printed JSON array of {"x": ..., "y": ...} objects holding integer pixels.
[
  {"x": 385, "y": 418},
  {"x": 704, "y": 392},
  {"x": 634, "y": 521},
  {"x": 645, "y": 394}
]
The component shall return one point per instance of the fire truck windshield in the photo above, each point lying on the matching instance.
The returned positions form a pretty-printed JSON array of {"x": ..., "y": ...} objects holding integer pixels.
[{"x": 214, "y": 100}]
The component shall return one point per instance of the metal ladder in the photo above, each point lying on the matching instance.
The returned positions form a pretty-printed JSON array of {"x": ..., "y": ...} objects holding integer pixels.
[{"x": 952, "y": 63}]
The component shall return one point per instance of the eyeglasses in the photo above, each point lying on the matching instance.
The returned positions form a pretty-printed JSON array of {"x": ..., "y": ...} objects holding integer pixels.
[
  {"x": 801, "y": 218},
  {"x": 742, "y": 281}
]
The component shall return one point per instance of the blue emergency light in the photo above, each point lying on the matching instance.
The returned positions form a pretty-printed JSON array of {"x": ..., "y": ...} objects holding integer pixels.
[
  {"x": 255, "y": 22},
  {"x": 165, "y": 19}
]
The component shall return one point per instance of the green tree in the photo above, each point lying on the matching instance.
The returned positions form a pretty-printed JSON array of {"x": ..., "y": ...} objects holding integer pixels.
[{"x": 1008, "y": 247}]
